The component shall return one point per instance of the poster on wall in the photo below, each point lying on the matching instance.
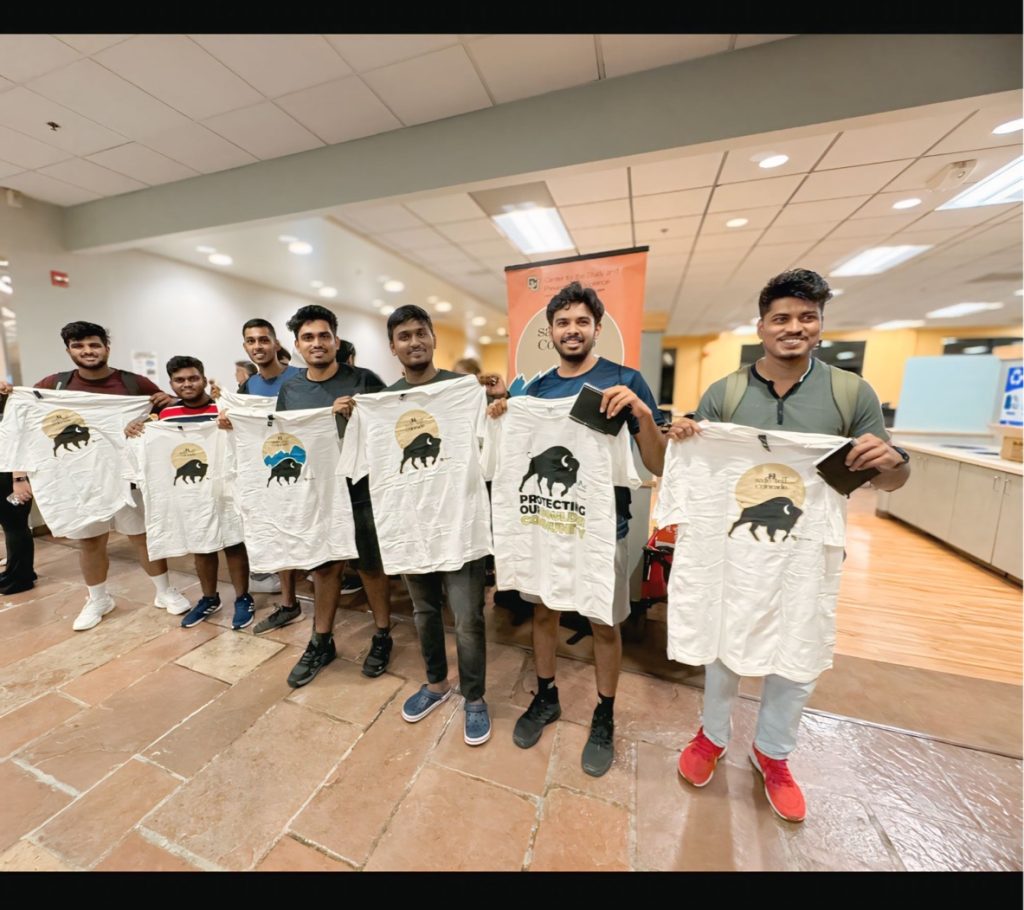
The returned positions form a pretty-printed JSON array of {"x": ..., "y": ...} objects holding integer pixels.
[
  {"x": 1011, "y": 413},
  {"x": 617, "y": 277},
  {"x": 144, "y": 363}
]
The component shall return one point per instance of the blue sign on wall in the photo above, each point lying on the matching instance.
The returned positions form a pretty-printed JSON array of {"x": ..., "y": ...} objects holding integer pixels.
[{"x": 1012, "y": 411}]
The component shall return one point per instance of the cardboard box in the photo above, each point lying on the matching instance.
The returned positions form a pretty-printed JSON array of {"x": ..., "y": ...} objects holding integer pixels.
[{"x": 1013, "y": 448}]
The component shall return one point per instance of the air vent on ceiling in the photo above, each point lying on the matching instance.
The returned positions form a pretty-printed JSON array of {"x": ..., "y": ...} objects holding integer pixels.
[{"x": 993, "y": 277}]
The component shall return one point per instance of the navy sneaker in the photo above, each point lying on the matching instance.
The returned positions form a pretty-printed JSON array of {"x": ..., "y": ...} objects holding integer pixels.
[
  {"x": 245, "y": 610},
  {"x": 204, "y": 609},
  {"x": 478, "y": 724}
]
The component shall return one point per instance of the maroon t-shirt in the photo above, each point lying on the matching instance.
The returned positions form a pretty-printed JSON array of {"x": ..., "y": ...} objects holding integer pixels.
[{"x": 112, "y": 385}]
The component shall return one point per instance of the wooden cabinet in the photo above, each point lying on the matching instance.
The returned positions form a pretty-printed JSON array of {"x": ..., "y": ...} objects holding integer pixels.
[{"x": 1007, "y": 553}]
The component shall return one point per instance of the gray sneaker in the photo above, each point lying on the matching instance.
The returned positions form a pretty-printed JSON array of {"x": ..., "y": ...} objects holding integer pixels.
[
  {"x": 543, "y": 710},
  {"x": 282, "y": 616}
]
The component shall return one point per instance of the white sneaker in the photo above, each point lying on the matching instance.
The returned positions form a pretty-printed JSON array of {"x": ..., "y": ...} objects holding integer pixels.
[
  {"x": 92, "y": 613},
  {"x": 264, "y": 584},
  {"x": 172, "y": 601}
]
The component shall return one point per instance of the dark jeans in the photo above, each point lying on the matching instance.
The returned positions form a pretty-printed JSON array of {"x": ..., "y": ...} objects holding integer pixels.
[
  {"x": 17, "y": 536},
  {"x": 465, "y": 589}
]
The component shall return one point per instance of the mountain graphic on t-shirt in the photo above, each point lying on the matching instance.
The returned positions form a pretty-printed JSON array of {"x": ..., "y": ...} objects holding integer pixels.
[{"x": 296, "y": 454}]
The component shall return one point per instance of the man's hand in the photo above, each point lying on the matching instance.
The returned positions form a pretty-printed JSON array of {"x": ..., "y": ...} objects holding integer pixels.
[
  {"x": 5, "y": 388},
  {"x": 683, "y": 428},
  {"x": 493, "y": 384},
  {"x": 22, "y": 488},
  {"x": 344, "y": 405},
  {"x": 222, "y": 421},
  {"x": 160, "y": 400},
  {"x": 214, "y": 389},
  {"x": 618, "y": 397},
  {"x": 871, "y": 452},
  {"x": 497, "y": 408},
  {"x": 135, "y": 428}
]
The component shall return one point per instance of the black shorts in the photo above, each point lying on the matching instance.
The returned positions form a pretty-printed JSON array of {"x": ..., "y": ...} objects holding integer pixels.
[{"x": 366, "y": 529}]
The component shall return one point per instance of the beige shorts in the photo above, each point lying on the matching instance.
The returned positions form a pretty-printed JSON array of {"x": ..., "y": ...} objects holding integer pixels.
[
  {"x": 127, "y": 520},
  {"x": 620, "y": 604}
]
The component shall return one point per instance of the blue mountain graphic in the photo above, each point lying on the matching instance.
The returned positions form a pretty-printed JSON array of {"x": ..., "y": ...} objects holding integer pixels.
[{"x": 296, "y": 454}]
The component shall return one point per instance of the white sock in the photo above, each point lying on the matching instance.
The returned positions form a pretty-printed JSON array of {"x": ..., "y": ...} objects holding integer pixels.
[
  {"x": 98, "y": 592},
  {"x": 162, "y": 583}
]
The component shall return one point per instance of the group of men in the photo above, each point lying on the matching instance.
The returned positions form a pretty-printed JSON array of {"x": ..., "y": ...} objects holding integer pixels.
[{"x": 786, "y": 390}]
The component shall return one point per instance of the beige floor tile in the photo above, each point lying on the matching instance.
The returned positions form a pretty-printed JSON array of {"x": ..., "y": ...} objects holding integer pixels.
[
  {"x": 229, "y": 656},
  {"x": 341, "y": 690},
  {"x": 63, "y": 603},
  {"x": 26, "y": 803},
  {"x": 282, "y": 758},
  {"x": 452, "y": 822},
  {"x": 30, "y": 721},
  {"x": 289, "y": 855},
  {"x": 134, "y": 584},
  {"x": 580, "y": 834},
  {"x": 25, "y": 856},
  {"x": 136, "y": 854},
  {"x": 617, "y": 786},
  {"x": 34, "y": 641}
]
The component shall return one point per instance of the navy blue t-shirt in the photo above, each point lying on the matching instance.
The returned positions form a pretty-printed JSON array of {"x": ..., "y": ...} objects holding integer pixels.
[
  {"x": 257, "y": 385},
  {"x": 603, "y": 375}
]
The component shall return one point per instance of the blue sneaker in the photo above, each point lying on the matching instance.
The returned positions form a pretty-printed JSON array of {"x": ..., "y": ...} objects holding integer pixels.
[
  {"x": 205, "y": 608},
  {"x": 478, "y": 724},
  {"x": 418, "y": 706},
  {"x": 245, "y": 611}
]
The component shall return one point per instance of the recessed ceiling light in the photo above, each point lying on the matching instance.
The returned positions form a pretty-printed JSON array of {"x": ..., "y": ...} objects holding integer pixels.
[
  {"x": 736, "y": 222},
  {"x": 900, "y": 324},
  {"x": 386, "y": 310},
  {"x": 300, "y": 248},
  {"x": 316, "y": 284},
  {"x": 1004, "y": 186},
  {"x": 877, "y": 260},
  {"x": 287, "y": 238},
  {"x": 443, "y": 306},
  {"x": 220, "y": 259},
  {"x": 770, "y": 160},
  {"x": 962, "y": 309},
  {"x": 394, "y": 286},
  {"x": 502, "y": 331},
  {"x": 433, "y": 298},
  {"x": 203, "y": 248},
  {"x": 328, "y": 292},
  {"x": 1011, "y": 126},
  {"x": 377, "y": 302},
  {"x": 479, "y": 320},
  {"x": 907, "y": 203},
  {"x": 745, "y": 330},
  {"x": 485, "y": 339}
]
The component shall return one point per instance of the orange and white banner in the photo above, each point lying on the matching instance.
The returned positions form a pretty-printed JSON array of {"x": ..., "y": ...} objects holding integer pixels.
[{"x": 617, "y": 277}]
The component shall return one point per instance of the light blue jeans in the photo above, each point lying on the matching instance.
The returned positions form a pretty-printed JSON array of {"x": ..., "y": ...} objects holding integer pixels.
[{"x": 782, "y": 703}]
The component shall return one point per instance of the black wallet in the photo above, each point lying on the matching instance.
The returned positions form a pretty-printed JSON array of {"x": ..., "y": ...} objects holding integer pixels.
[
  {"x": 586, "y": 410},
  {"x": 837, "y": 475}
]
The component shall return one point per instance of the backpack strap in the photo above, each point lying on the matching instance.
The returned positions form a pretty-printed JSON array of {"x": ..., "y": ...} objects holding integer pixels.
[
  {"x": 735, "y": 386},
  {"x": 845, "y": 390},
  {"x": 131, "y": 382},
  {"x": 63, "y": 379}
]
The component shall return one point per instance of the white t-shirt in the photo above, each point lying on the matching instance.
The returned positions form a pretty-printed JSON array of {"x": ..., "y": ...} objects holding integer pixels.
[
  {"x": 181, "y": 468},
  {"x": 553, "y": 501},
  {"x": 229, "y": 400},
  {"x": 421, "y": 448},
  {"x": 71, "y": 446},
  {"x": 295, "y": 507},
  {"x": 759, "y": 551}
]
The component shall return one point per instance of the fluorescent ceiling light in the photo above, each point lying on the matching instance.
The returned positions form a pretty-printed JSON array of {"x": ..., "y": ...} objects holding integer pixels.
[
  {"x": 770, "y": 160},
  {"x": 220, "y": 259},
  {"x": 485, "y": 339},
  {"x": 5, "y": 285},
  {"x": 480, "y": 320},
  {"x": 846, "y": 355},
  {"x": 745, "y": 330},
  {"x": 328, "y": 292},
  {"x": 535, "y": 230},
  {"x": 202, "y": 248},
  {"x": 394, "y": 286},
  {"x": 962, "y": 309},
  {"x": 1005, "y": 185},
  {"x": 907, "y": 203},
  {"x": 736, "y": 222},
  {"x": 300, "y": 248},
  {"x": 900, "y": 324},
  {"x": 1011, "y": 126},
  {"x": 443, "y": 306},
  {"x": 877, "y": 260},
  {"x": 976, "y": 349}
]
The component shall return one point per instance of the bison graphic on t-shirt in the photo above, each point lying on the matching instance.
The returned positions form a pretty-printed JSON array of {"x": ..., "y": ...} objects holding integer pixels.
[
  {"x": 424, "y": 446},
  {"x": 556, "y": 466},
  {"x": 777, "y": 514},
  {"x": 72, "y": 435}
]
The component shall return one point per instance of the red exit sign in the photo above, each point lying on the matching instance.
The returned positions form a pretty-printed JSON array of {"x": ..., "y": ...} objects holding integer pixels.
[{"x": 59, "y": 279}]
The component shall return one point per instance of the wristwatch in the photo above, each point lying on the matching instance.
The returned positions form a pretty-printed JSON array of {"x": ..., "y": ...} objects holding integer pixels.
[{"x": 903, "y": 453}]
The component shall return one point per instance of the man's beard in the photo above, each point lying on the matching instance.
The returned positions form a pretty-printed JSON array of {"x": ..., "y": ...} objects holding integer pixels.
[
  {"x": 98, "y": 365},
  {"x": 579, "y": 356}
]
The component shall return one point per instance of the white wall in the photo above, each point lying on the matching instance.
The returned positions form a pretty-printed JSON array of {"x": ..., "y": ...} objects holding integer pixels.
[{"x": 147, "y": 303}]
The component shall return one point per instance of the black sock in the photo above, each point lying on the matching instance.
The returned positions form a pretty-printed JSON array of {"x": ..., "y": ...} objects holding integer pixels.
[
  {"x": 546, "y": 687},
  {"x": 605, "y": 705},
  {"x": 385, "y": 631}
]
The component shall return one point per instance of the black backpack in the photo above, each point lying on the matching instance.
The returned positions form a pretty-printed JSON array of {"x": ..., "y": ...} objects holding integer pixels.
[{"x": 130, "y": 380}]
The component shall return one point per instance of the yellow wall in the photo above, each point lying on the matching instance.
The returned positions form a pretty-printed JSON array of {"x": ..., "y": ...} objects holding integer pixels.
[
  {"x": 700, "y": 360},
  {"x": 494, "y": 359},
  {"x": 451, "y": 346}
]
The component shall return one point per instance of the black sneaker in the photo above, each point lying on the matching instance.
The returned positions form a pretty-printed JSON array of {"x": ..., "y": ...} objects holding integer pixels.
[
  {"x": 543, "y": 710},
  {"x": 380, "y": 653},
  {"x": 351, "y": 584},
  {"x": 281, "y": 617},
  {"x": 318, "y": 654},
  {"x": 599, "y": 752}
]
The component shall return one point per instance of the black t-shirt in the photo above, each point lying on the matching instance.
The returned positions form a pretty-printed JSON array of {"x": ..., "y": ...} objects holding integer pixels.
[
  {"x": 442, "y": 376},
  {"x": 301, "y": 392}
]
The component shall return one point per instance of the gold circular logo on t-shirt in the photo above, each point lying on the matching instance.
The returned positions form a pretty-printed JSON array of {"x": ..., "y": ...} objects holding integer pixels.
[
  {"x": 187, "y": 452},
  {"x": 280, "y": 443},
  {"x": 411, "y": 424},
  {"x": 56, "y": 422},
  {"x": 769, "y": 481}
]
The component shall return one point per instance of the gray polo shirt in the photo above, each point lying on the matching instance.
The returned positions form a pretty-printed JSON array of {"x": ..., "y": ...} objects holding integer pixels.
[{"x": 808, "y": 407}]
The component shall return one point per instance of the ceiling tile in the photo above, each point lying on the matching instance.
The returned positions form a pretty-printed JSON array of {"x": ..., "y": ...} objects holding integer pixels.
[
  {"x": 631, "y": 53},
  {"x": 961, "y": 217},
  {"x": 469, "y": 231},
  {"x": 757, "y": 219},
  {"x": 440, "y": 254},
  {"x": 796, "y": 233},
  {"x": 520, "y": 66},
  {"x": 666, "y": 245},
  {"x": 93, "y": 91},
  {"x": 597, "y": 239},
  {"x": 412, "y": 239},
  {"x": 27, "y": 152},
  {"x": 46, "y": 189},
  {"x": 849, "y": 181},
  {"x": 736, "y": 197},
  {"x": 577, "y": 189},
  {"x": 277, "y": 64},
  {"x": 873, "y": 227},
  {"x": 595, "y": 214},
  {"x": 92, "y": 177},
  {"x": 143, "y": 164},
  {"x": 367, "y": 52},
  {"x": 671, "y": 205},
  {"x": 676, "y": 174},
  {"x": 670, "y": 229},
  {"x": 91, "y": 44},
  {"x": 263, "y": 130},
  {"x": 881, "y": 205},
  {"x": 977, "y": 133},
  {"x": 180, "y": 73},
  {"x": 891, "y": 142},
  {"x": 23, "y": 57},
  {"x": 29, "y": 113},
  {"x": 824, "y": 210},
  {"x": 916, "y": 177},
  {"x": 5, "y": 84},
  {"x": 340, "y": 111},
  {"x": 803, "y": 155},
  {"x": 738, "y": 241},
  {"x": 432, "y": 87},
  {"x": 744, "y": 41},
  {"x": 445, "y": 209},
  {"x": 7, "y": 169},
  {"x": 381, "y": 218},
  {"x": 490, "y": 249},
  {"x": 197, "y": 147}
]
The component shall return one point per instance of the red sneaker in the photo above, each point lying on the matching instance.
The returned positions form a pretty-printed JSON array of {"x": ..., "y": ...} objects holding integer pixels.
[
  {"x": 784, "y": 796},
  {"x": 697, "y": 761}
]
